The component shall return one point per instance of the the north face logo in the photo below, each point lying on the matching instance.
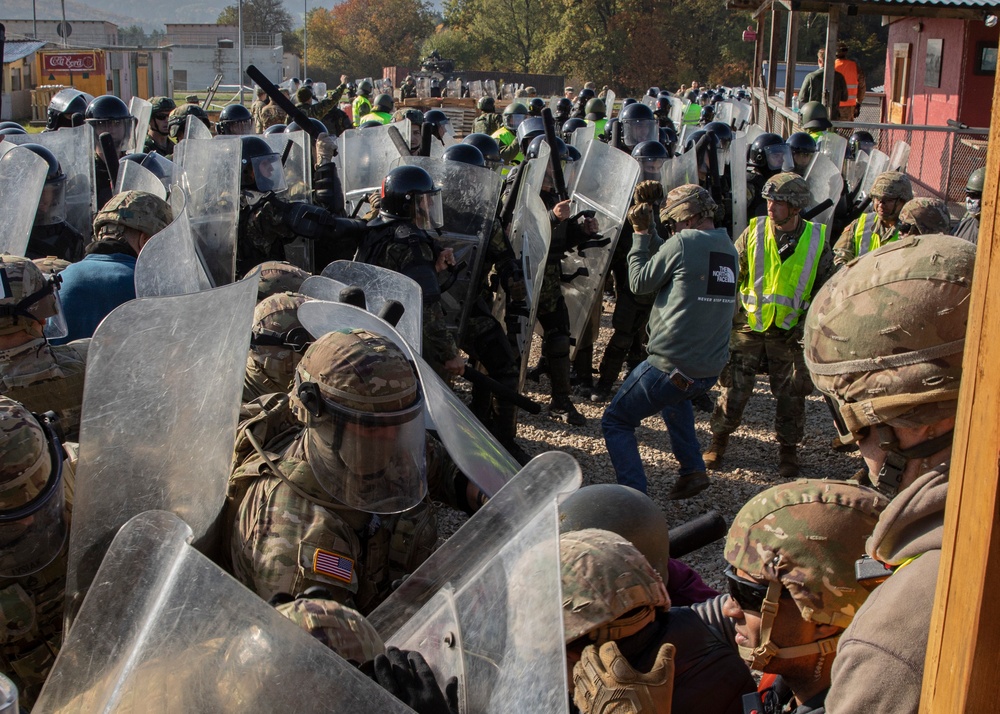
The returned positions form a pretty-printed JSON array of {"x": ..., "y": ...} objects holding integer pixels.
[
  {"x": 724, "y": 274},
  {"x": 721, "y": 274}
]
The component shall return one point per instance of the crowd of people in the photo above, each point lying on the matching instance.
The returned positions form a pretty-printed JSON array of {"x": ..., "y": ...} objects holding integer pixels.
[{"x": 729, "y": 253}]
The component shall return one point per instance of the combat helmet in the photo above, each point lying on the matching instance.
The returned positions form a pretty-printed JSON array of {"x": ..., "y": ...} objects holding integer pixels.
[
  {"x": 859, "y": 141},
  {"x": 261, "y": 166},
  {"x": 884, "y": 338},
  {"x": 815, "y": 116},
  {"x": 109, "y": 114},
  {"x": 638, "y": 124},
  {"x": 513, "y": 114},
  {"x": 892, "y": 185},
  {"x": 278, "y": 276},
  {"x": 609, "y": 589},
  {"x": 488, "y": 147},
  {"x": 596, "y": 107},
  {"x": 686, "y": 202},
  {"x": 359, "y": 396},
  {"x": 162, "y": 105},
  {"x": 923, "y": 216},
  {"x": 535, "y": 106},
  {"x": 277, "y": 338},
  {"x": 409, "y": 193},
  {"x": 66, "y": 108},
  {"x": 769, "y": 153},
  {"x": 139, "y": 210},
  {"x": 178, "y": 119},
  {"x": 486, "y": 104},
  {"x": 465, "y": 154},
  {"x": 28, "y": 296},
  {"x": 234, "y": 120},
  {"x": 383, "y": 103},
  {"x": 341, "y": 628},
  {"x": 977, "y": 181},
  {"x": 801, "y": 537},
  {"x": 788, "y": 187}
]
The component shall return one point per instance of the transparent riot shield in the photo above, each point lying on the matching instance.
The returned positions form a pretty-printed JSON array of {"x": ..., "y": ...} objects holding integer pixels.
[
  {"x": 142, "y": 111},
  {"x": 454, "y": 87},
  {"x": 854, "y": 170},
  {"x": 834, "y": 147},
  {"x": 604, "y": 185},
  {"x": 424, "y": 87},
  {"x": 133, "y": 176},
  {"x": 469, "y": 196},
  {"x": 825, "y": 182},
  {"x": 381, "y": 285},
  {"x": 609, "y": 103},
  {"x": 164, "y": 629},
  {"x": 724, "y": 113},
  {"x": 486, "y": 607},
  {"x": 369, "y": 154},
  {"x": 490, "y": 88},
  {"x": 649, "y": 102},
  {"x": 169, "y": 264},
  {"x": 22, "y": 177},
  {"x": 680, "y": 170},
  {"x": 474, "y": 450},
  {"x": 439, "y": 146},
  {"x": 210, "y": 177},
  {"x": 753, "y": 131},
  {"x": 900, "y": 157},
  {"x": 196, "y": 129},
  {"x": 476, "y": 89},
  {"x": 297, "y": 163},
  {"x": 676, "y": 110},
  {"x": 878, "y": 163},
  {"x": 582, "y": 137},
  {"x": 75, "y": 150},
  {"x": 160, "y": 409},
  {"x": 738, "y": 182},
  {"x": 741, "y": 115}
]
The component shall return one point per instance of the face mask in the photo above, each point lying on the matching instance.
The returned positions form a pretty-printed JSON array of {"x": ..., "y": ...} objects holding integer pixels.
[{"x": 973, "y": 205}]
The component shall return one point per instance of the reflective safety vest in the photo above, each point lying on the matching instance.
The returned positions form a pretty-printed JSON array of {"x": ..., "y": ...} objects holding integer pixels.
[
  {"x": 692, "y": 115},
  {"x": 866, "y": 239},
  {"x": 776, "y": 292},
  {"x": 380, "y": 117},
  {"x": 598, "y": 126},
  {"x": 359, "y": 108},
  {"x": 505, "y": 137},
  {"x": 849, "y": 69}
]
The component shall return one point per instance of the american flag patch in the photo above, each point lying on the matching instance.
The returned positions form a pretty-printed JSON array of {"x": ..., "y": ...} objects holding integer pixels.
[{"x": 333, "y": 565}]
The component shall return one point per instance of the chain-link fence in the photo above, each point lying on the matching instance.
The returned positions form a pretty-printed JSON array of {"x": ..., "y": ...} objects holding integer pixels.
[{"x": 941, "y": 157}]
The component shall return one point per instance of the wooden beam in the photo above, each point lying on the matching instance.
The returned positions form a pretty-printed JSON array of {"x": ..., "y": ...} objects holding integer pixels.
[
  {"x": 772, "y": 52},
  {"x": 791, "y": 51},
  {"x": 960, "y": 668},
  {"x": 829, "y": 70}
]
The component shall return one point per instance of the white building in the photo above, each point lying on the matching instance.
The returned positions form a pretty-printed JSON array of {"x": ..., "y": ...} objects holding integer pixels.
[{"x": 201, "y": 51}]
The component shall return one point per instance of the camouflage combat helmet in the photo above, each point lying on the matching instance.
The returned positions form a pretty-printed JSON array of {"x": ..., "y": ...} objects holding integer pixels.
[
  {"x": 139, "y": 210},
  {"x": 788, "y": 187},
  {"x": 24, "y": 455},
  {"x": 884, "y": 337},
  {"x": 51, "y": 265},
  {"x": 278, "y": 336},
  {"x": 178, "y": 117},
  {"x": 977, "y": 181},
  {"x": 923, "y": 216},
  {"x": 804, "y": 537},
  {"x": 686, "y": 202},
  {"x": 277, "y": 276},
  {"x": 892, "y": 184},
  {"x": 604, "y": 578},
  {"x": 25, "y": 294},
  {"x": 162, "y": 104},
  {"x": 342, "y": 629}
]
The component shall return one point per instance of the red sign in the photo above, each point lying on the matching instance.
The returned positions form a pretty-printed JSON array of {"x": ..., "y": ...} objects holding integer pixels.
[{"x": 70, "y": 62}]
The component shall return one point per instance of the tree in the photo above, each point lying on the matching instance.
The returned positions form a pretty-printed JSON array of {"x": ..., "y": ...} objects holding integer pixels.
[
  {"x": 258, "y": 16},
  {"x": 509, "y": 34}
]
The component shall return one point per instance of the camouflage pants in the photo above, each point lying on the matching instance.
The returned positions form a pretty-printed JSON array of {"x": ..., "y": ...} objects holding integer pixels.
[{"x": 790, "y": 382}]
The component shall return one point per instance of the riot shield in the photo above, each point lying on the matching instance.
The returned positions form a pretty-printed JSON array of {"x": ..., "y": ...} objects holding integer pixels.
[
  {"x": 297, "y": 164},
  {"x": 609, "y": 104},
  {"x": 75, "y": 150},
  {"x": 169, "y": 264},
  {"x": 825, "y": 182},
  {"x": 604, "y": 184},
  {"x": 369, "y": 154},
  {"x": 854, "y": 170},
  {"x": 490, "y": 88},
  {"x": 22, "y": 177},
  {"x": 439, "y": 146},
  {"x": 133, "y": 176},
  {"x": 878, "y": 163},
  {"x": 741, "y": 115},
  {"x": 142, "y": 111},
  {"x": 753, "y": 131},
  {"x": 195, "y": 128},
  {"x": 834, "y": 147},
  {"x": 724, "y": 113},
  {"x": 210, "y": 177},
  {"x": 469, "y": 196},
  {"x": 676, "y": 110},
  {"x": 381, "y": 285},
  {"x": 164, "y": 629},
  {"x": 649, "y": 102},
  {"x": 900, "y": 157},
  {"x": 582, "y": 137},
  {"x": 486, "y": 606},
  {"x": 476, "y": 89},
  {"x": 680, "y": 170},
  {"x": 474, "y": 450},
  {"x": 738, "y": 182},
  {"x": 424, "y": 87},
  {"x": 160, "y": 409}
]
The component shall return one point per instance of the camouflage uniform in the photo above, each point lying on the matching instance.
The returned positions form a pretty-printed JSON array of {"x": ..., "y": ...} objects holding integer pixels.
[
  {"x": 343, "y": 630},
  {"x": 868, "y": 231},
  {"x": 31, "y": 606},
  {"x": 271, "y": 367},
  {"x": 324, "y": 108},
  {"x": 487, "y": 123},
  {"x": 924, "y": 216},
  {"x": 255, "y": 108},
  {"x": 271, "y": 115},
  {"x": 166, "y": 149},
  {"x": 277, "y": 276}
]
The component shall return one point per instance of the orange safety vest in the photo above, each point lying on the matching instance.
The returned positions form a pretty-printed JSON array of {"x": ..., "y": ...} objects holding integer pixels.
[{"x": 849, "y": 69}]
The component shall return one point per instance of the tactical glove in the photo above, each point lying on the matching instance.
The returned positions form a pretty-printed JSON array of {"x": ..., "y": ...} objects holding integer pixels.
[
  {"x": 648, "y": 192},
  {"x": 326, "y": 149},
  {"x": 605, "y": 682},
  {"x": 408, "y": 677},
  {"x": 512, "y": 279},
  {"x": 641, "y": 216}
]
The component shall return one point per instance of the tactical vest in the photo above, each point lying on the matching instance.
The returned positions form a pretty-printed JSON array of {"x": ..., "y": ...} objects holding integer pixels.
[
  {"x": 360, "y": 107},
  {"x": 598, "y": 126},
  {"x": 403, "y": 247},
  {"x": 849, "y": 69},
  {"x": 866, "y": 239},
  {"x": 776, "y": 292},
  {"x": 47, "y": 377}
]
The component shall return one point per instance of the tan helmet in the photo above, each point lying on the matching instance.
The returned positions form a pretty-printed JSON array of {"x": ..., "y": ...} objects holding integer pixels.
[
  {"x": 277, "y": 276},
  {"x": 609, "y": 589},
  {"x": 341, "y": 628},
  {"x": 278, "y": 339},
  {"x": 26, "y": 295},
  {"x": 892, "y": 184},
  {"x": 685, "y": 202},
  {"x": 923, "y": 216},
  {"x": 24, "y": 448},
  {"x": 138, "y": 210},
  {"x": 788, "y": 187}
]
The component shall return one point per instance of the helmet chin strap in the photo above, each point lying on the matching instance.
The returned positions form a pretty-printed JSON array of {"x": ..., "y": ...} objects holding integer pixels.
[
  {"x": 758, "y": 657},
  {"x": 890, "y": 475}
]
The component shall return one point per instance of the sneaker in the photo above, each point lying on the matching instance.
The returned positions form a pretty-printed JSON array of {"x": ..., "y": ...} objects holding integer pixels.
[
  {"x": 564, "y": 411},
  {"x": 517, "y": 453},
  {"x": 689, "y": 485},
  {"x": 601, "y": 393}
]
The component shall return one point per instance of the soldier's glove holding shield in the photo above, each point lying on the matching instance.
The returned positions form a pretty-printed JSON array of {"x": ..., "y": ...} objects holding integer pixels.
[
  {"x": 648, "y": 192},
  {"x": 605, "y": 682},
  {"x": 375, "y": 201},
  {"x": 512, "y": 280},
  {"x": 326, "y": 148},
  {"x": 641, "y": 217},
  {"x": 408, "y": 677}
]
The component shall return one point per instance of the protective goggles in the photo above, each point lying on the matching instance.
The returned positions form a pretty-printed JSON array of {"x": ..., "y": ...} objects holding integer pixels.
[
  {"x": 296, "y": 339},
  {"x": 748, "y": 595}
]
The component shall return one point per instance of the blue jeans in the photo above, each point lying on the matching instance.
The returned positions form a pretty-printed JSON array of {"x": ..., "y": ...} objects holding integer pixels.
[{"x": 646, "y": 391}]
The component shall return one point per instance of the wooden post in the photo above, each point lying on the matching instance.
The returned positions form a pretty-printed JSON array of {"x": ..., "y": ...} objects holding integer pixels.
[
  {"x": 791, "y": 51},
  {"x": 758, "y": 52},
  {"x": 960, "y": 671},
  {"x": 829, "y": 70},
  {"x": 772, "y": 52}
]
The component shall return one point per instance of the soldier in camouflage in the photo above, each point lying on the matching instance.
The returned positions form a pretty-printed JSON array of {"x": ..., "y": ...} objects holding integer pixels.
[
  {"x": 327, "y": 109},
  {"x": 158, "y": 136},
  {"x": 488, "y": 120},
  {"x": 34, "y": 512},
  {"x": 968, "y": 227},
  {"x": 622, "y": 635},
  {"x": 177, "y": 122},
  {"x": 876, "y": 227},
  {"x": 272, "y": 115},
  {"x": 923, "y": 216},
  {"x": 329, "y": 486},
  {"x": 278, "y": 276},
  {"x": 41, "y": 376},
  {"x": 277, "y": 342},
  {"x": 884, "y": 339},
  {"x": 260, "y": 101},
  {"x": 796, "y": 544},
  {"x": 341, "y": 628}
]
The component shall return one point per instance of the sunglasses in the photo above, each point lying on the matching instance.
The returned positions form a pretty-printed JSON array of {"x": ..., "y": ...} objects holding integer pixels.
[
  {"x": 748, "y": 594},
  {"x": 297, "y": 339},
  {"x": 161, "y": 117}
]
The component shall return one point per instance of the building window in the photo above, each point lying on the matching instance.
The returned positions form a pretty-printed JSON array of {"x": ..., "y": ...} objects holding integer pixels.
[
  {"x": 15, "y": 79},
  {"x": 986, "y": 58}
]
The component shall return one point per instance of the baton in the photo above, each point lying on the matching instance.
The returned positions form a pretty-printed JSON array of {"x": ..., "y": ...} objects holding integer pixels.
[
  {"x": 807, "y": 215},
  {"x": 110, "y": 156},
  {"x": 297, "y": 115},
  {"x": 697, "y": 533},
  {"x": 557, "y": 172}
]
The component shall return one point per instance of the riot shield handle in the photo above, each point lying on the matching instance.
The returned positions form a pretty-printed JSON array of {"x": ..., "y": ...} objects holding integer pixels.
[
  {"x": 501, "y": 391},
  {"x": 392, "y": 312},
  {"x": 507, "y": 210},
  {"x": 282, "y": 101},
  {"x": 110, "y": 156},
  {"x": 809, "y": 213},
  {"x": 353, "y": 295},
  {"x": 550, "y": 137},
  {"x": 581, "y": 272}
]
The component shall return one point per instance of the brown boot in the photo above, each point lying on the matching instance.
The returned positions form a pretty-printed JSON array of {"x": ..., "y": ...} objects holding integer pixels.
[
  {"x": 713, "y": 457},
  {"x": 788, "y": 462}
]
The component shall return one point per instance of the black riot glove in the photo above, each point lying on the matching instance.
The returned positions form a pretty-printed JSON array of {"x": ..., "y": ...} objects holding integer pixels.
[
  {"x": 408, "y": 677},
  {"x": 313, "y": 222}
]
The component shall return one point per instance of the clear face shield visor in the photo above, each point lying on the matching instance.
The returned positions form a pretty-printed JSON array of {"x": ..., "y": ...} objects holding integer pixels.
[
  {"x": 779, "y": 157},
  {"x": 428, "y": 211},
  {"x": 32, "y": 535},
  {"x": 52, "y": 203},
  {"x": 239, "y": 128},
  {"x": 161, "y": 166},
  {"x": 652, "y": 168},
  {"x": 372, "y": 462},
  {"x": 802, "y": 160},
  {"x": 268, "y": 173},
  {"x": 855, "y": 148},
  {"x": 636, "y": 131},
  {"x": 119, "y": 129},
  {"x": 512, "y": 121}
]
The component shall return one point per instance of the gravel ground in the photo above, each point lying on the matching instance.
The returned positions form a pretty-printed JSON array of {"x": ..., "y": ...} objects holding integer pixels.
[{"x": 750, "y": 466}]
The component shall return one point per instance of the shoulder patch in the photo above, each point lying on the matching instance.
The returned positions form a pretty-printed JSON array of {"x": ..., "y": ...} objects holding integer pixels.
[{"x": 333, "y": 565}]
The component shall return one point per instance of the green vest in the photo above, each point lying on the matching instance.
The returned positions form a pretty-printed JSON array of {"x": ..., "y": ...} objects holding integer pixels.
[
  {"x": 866, "y": 239},
  {"x": 598, "y": 127},
  {"x": 692, "y": 115},
  {"x": 359, "y": 108},
  {"x": 776, "y": 292},
  {"x": 380, "y": 117}
]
